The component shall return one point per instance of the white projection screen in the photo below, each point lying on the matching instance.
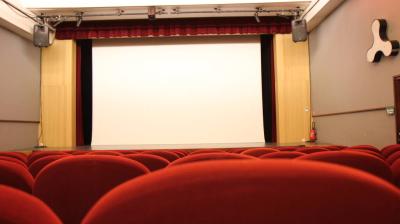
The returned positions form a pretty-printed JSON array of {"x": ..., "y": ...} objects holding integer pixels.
[{"x": 182, "y": 90}]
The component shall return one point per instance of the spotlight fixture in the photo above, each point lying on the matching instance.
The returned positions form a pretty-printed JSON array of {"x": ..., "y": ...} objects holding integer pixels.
[
  {"x": 257, "y": 17},
  {"x": 151, "y": 13},
  {"x": 258, "y": 10},
  {"x": 79, "y": 16}
]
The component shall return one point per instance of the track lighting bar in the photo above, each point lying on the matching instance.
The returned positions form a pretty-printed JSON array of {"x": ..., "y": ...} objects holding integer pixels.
[
  {"x": 153, "y": 11},
  {"x": 177, "y": 11}
]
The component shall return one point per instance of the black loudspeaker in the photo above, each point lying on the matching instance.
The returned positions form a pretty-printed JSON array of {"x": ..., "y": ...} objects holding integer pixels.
[
  {"x": 299, "y": 30},
  {"x": 41, "y": 35}
]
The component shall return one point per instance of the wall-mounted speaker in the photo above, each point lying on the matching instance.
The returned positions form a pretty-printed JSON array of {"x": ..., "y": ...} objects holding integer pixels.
[
  {"x": 299, "y": 30},
  {"x": 41, "y": 35}
]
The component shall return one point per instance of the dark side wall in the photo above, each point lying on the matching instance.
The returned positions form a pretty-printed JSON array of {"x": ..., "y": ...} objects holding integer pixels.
[{"x": 343, "y": 80}]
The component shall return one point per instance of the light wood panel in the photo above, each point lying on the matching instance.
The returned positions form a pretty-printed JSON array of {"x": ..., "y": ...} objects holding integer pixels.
[
  {"x": 58, "y": 94},
  {"x": 292, "y": 84}
]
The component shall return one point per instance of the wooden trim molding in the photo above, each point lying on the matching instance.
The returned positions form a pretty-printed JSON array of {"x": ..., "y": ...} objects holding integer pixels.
[
  {"x": 350, "y": 112},
  {"x": 19, "y": 121}
]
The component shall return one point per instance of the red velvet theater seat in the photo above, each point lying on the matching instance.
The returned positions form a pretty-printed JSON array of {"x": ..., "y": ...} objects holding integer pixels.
[
  {"x": 19, "y": 156},
  {"x": 393, "y": 158},
  {"x": 236, "y": 150},
  {"x": 390, "y": 149},
  {"x": 365, "y": 147},
  {"x": 378, "y": 155},
  {"x": 16, "y": 176},
  {"x": 282, "y": 155},
  {"x": 357, "y": 160},
  {"x": 179, "y": 153},
  {"x": 70, "y": 186},
  {"x": 79, "y": 152},
  {"x": 333, "y": 147},
  {"x": 203, "y": 157},
  {"x": 309, "y": 150},
  {"x": 21, "y": 208},
  {"x": 104, "y": 152},
  {"x": 14, "y": 160},
  {"x": 168, "y": 155},
  {"x": 200, "y": 151},
  {"x": 396, "y": 172},
  {"x": 39, "y": 164},
  {"x": 125, "y": 151},
  {"x": 257, "y": 152},
  {"x": 152, "y": 162},
  {"x": 251, "y": 191},
  {"x": 40, "y": 154},
  {"x": 286, "y": 148}
]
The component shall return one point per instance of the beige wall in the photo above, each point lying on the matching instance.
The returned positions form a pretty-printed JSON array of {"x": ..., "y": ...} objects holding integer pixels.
[
  {"x": 343, "y": 80},
  {"x": 19, "y": 91},
  {"x": 58, "y": 94}
]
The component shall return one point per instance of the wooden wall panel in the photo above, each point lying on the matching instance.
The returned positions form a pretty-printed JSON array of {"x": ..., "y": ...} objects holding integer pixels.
[
  {"x": 58, "y": 94},
  {"x": 292, "y": 89}
]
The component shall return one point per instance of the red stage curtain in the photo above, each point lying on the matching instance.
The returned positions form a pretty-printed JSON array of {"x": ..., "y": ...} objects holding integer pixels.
[{"x": 173, "y": 27}]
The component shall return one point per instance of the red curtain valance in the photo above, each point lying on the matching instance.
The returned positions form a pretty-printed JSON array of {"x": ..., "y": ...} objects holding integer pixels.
[{"x": 173, "y": 27}]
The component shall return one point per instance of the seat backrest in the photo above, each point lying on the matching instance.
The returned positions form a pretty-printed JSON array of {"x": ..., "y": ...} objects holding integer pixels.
[
  {"x": 257, "y": 152},
  {"x": 168, "y": 155},
  {"x": 70, "y": 186},
  {"x": 39, "y": 164},
  {"x": 309, "y": 150},
  {"x": 361, "y": 161},
  {"x": 14, "y": 160},
  {"x": 19, "y": 207},
  {"x": 16, "y": 155},
  {"x": 200, "y": 151},
  {"x": 390, "y": 149},
  {"x": 333, "y": 147},
  {"x": 393, "y": 157},
  {"x": 181, "y": 152},
  {"x": 203, "y": 157},
  {"x": 251, "y": 191},
  {"x": 365, "y": 147},
  {"x": 236, "y": 150},
  {"x": 152, "y": 162},
  {"x": 16, "y": 176},
  {"x": 378, "y": 155},
  {"x": 79, "y": 152},
  {"x": 282, "y": 155},
  {"x": 104, "y": 152},
  {"x": 286, "y": 148},
  {"x": 40, "y": 154},
  {"x": 395, "y": 167}
]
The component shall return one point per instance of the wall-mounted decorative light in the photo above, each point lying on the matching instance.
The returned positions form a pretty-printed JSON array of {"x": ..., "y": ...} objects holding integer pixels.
[{"x": 382, "y": 45}]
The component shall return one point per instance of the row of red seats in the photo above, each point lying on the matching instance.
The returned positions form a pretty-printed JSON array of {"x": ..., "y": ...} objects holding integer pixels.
[
  {"x": 73, "y": 184},
  {"x": 156, "y": 159}
]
